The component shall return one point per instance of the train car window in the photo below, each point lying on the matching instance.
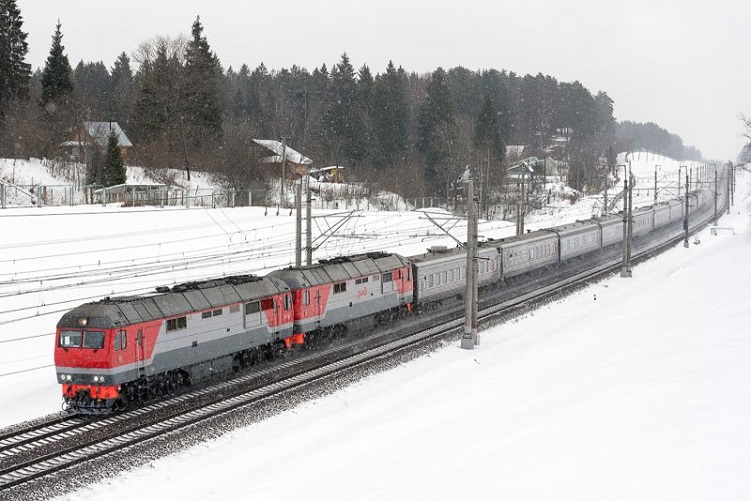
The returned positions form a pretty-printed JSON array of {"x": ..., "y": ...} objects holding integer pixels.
[
  {"x": 70, "y": 339},
  {"x": 387, "y": 277},
  {"x": 93, "y": 339},
  {"x": 340, "y": 287},
  {"x": 206, "y": 314},
  {"x": 451, "y": 275},
  {"x": 267, "y": 304},
  {"x": 287, "y": 302},
  {"x": 306, "y": 298},
  {"x": 430, "y": 281},
  {"x": 253, "y": 307},
  {"x": 216, "y": 313},
  {"x": 409, "y": 274}
]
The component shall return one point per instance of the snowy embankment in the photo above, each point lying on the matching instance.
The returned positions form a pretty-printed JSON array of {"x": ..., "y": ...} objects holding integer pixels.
[
  {"x": 630, "y": 389},
  {"x": 640, "y": 393}
]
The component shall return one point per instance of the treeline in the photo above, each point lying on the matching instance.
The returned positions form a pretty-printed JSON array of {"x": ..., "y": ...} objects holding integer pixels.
[
  {"x": 410, "y": 133},
  {"x": 651, "y": 137}
]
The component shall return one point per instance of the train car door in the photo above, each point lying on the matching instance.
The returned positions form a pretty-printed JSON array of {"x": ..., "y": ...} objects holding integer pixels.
[
  {"x": 317, "y": 309},
  {"x": 387, "y": 283},
  {"x": 139, "y": 353}
]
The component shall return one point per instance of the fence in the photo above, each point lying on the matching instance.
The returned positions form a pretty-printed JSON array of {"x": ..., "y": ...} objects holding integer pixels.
[{"x": 138, "y": 196}]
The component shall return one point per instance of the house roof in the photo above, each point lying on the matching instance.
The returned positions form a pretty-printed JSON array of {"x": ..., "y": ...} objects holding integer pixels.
[
  {"x": 280, "y": 150},
  {"x": 99, "y": 132}
]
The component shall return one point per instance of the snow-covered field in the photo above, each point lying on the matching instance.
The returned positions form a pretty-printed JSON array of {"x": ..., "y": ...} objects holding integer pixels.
[{"x": 631, "y": 389}]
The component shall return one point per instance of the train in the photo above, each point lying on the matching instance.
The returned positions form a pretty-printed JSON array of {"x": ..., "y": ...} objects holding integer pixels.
[{"x": 122, "y": 351}]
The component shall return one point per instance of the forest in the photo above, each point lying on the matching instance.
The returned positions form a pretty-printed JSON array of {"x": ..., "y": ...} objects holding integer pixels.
[{"x": 406, "y": 132}]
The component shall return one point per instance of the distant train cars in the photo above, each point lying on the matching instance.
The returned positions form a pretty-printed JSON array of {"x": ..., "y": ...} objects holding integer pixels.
[{"x": 125, "y": 350}]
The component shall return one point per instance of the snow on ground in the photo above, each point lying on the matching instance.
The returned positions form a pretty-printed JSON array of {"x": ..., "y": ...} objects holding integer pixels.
[
  {"x": 641, "y": 393},
  {"x": 630, "y": 389}
]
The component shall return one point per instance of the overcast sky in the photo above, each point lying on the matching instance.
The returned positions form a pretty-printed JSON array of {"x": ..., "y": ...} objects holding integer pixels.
[{"x": 682, "y": 64}]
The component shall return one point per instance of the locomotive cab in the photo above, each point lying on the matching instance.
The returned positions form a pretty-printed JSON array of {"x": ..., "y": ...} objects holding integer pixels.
[{"x": 83, "y": 358}]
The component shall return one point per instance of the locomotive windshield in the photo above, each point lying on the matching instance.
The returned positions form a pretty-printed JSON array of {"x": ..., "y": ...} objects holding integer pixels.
[{"x": 82, "y": 339}]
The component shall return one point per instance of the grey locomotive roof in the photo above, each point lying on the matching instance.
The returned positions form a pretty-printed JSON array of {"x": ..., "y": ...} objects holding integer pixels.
[
  {"x": 340, "y": 269},
  {"x": 168, "y": 302}
]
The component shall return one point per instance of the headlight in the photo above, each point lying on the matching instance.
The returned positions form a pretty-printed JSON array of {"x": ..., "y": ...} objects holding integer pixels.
[
  {"x": 69, "y": 377},
  {"x": 62, "y": 377},
  {"x": 96, "y": 379}
]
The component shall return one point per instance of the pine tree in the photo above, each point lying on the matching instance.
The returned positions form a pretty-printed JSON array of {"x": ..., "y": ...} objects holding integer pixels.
[
  {"x": 114, "y": 167},
  {"x": 157, "y": 106},
  {"x": 202, "y": 100},
  {"x": 489, "y": 146},
  {"x": 488, "y": 135},
  {"x": 390, "y": 117},
  {"x": 15, "y": 73},
  {"x": 57, "y": 84},
  {"x": 122, "y": 90},
  {"x": 437, "y": 133},
  {"x": 345, "y": 120}
]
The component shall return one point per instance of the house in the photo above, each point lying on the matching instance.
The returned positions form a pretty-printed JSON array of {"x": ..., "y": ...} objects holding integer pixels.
[
  {"x": 91, "y": 135},
  {"x": 547, "y": 167}
]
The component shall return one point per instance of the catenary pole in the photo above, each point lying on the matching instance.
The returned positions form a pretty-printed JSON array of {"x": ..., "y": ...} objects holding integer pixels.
[
  {"x": 298, "y": 224},
  {"x": 685, "y": 217},
  {"x": 624, "y": 256},
  {"x": 469, "y": 338},
  {"x": 308, "y": 224}
]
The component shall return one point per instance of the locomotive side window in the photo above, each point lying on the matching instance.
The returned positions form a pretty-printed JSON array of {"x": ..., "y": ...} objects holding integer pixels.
[
  {"x": 268, "y": 304},
  {"x": 287, "y": 302},
  {"x": 121, "y": 341},
  {"x": 174, "y": 324},
  {"x": 387, "y": 278},
  {"x": 253, "y": 307},
  {"x": 306, "y": 298},
  {"x": 340, "y": 287}
]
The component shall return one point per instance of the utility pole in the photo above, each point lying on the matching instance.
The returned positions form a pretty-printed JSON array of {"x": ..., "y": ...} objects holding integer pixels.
[
  {"x": 626, "y": 256},
  {"x": 308, "y": 225},
  {"x": 284, "y": 166},
  {"x": 729, "y": 186},
  {"x": 714, "y": 221},
  {"x": 685, "y": 217},
  {"x": 470, "y": 338},
  {"x": 632, "y": 182},
  {"x": 298, "y": 224},
  {"x": 520, "y": 206}
]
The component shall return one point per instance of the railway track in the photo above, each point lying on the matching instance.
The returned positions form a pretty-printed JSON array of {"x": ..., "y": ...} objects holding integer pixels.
[{"x": 40, "y": 450}]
